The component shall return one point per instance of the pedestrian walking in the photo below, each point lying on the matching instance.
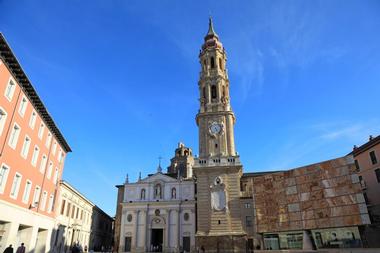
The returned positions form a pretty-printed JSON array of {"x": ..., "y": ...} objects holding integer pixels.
[
  {"x": 21, "y": 249},
  {"x": 9, "y": 249}
]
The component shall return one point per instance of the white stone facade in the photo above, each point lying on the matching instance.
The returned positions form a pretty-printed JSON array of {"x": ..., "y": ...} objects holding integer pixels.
[
  {"x": 158, "y": 212},
  {"x": 19, "y": 225},
  {"x": 74, "y": 219}
]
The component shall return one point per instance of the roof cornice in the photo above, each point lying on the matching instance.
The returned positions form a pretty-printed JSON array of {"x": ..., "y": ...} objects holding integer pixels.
[
  {"x": 13, "y": 65},
  {"x": 366, "y": 146}
]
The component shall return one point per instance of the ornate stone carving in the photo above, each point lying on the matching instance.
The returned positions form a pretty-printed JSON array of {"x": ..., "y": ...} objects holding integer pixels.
[{"x": 218, "y": 195}]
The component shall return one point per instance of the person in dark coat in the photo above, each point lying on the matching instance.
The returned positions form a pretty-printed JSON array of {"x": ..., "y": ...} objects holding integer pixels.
[
  {"x": 21, "y": 249},
  {"x": 9, "y": 249}
]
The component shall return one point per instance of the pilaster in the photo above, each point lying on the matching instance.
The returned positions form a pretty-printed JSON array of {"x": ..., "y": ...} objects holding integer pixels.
[{"x": 122, "y": 232}]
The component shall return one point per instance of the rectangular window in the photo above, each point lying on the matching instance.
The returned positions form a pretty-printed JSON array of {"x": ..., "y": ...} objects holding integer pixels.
[
  {"x": 248, "y": 221},
  {"x": 41, "y": 131},
  {"x": 357, "y": 165},
  {"x": 81, "y": 215},
  {"x": 10, "y": 90},
  {"x": 373, "y": 157},
  {"x": 77, "y": 214},
  {"x": 43, "y": 164},
  {"x": 60, "y": 156},
  {"x": 51, "y": 201},
  {"x": 50, "y": 168},
  {"x": 63, "y": 207},
  {"x": 55, "y": 180},
  {"x": 48, "y": 140},
  {"x": 25, "y": 147},
  {"x": 54, "y": 147},
  {"x": 36, "y": 152},
  {"x": 15, "y": 186},
  {"x": 377, "y": 172},
  {"x": 43, "y": 200},
  {"x": 32, "y": 121},
  {"x": 14, "y": 136},
  {"x": 4, "y": 170},
  {"x": 36, "y": 196},
  {"x": 3, "y": 118},
  {"x": 23, "y": 105},
  {"x": 27, "y": 189},
  {"x": 247, "y": 205},
  {"x": 73, "y": 212},
  {"x": 68, "y": 209}
]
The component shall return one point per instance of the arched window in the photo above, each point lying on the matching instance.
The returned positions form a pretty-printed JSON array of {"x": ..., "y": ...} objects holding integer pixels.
[
  {"x": 204, "y": 65},
  {"x": 204, "y": 92},
  {"x": 220, "y": 63},
  {"x": 157, "y": 191},
  {"x": 212, "y": 62},
  {"x": 142, "y": 195},
  {"x": 174, "y": 193},
  {"x": 213, "y": 91}
]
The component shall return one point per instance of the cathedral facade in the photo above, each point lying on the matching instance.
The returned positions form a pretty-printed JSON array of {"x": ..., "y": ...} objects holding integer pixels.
[
  {"x": 207, "y": 204},
  {"x": 158, "y": 212}
]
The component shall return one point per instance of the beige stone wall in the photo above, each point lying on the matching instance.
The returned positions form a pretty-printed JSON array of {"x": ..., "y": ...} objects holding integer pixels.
[
  {"x": 211, "y": 222},
  {"x": 322, "y": 195}
]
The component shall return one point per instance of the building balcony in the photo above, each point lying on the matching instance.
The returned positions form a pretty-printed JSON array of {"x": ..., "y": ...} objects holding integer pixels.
[
  {"x": 213, "y": 72},
  {"x": 246, "y": 194},
  {"x": 217, "y": 161}
]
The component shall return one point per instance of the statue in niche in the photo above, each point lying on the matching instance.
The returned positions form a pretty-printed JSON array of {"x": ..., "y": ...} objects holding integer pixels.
[
  {"x": 157, "y": 191},
  {"x": 218, "y": 195},
  {"x": 174, "y": 193}
]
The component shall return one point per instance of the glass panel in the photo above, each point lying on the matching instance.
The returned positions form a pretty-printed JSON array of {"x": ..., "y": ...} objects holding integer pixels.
[
  {"x": 348, "y": 237},
  {"x": 271, "y": 242}
]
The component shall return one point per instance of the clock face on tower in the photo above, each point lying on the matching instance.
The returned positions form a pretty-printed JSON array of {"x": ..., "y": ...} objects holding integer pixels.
[{"x": 215, "y": 128}]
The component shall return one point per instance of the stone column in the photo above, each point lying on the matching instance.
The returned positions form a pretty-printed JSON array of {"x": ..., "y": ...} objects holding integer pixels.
[
  {"x": 31, "y": 244},
  {"x": 169, "y": 232},
  {"x": 144, "y": 214},
  {"x": 135, "y": 228},
  {"x": 166, "y": 239},
  {"x": 178, "y": 228}
]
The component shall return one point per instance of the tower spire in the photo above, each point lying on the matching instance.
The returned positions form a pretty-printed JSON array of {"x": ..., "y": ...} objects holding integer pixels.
[
  {"x": 159, "y": 169},
  {"x": 210, "y": 27},
  {"x": 211, "y": 33}
]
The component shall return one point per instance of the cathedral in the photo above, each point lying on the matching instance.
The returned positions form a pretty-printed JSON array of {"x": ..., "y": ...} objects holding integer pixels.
[{"x": 206, "y": 203}]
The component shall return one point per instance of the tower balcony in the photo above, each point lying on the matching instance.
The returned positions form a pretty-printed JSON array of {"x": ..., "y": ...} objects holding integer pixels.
[
  {"x": 216, "y": 161},
  {"x": 213, "y": 72}
]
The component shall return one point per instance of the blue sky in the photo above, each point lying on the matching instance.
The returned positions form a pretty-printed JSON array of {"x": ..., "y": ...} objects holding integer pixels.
[{"x": 120, "y": 79}]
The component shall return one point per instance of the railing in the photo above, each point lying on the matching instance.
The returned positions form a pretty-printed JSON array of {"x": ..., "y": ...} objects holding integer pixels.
[
  {"x": 246, "y": 194},
  {"x": 217, "y": 161}
]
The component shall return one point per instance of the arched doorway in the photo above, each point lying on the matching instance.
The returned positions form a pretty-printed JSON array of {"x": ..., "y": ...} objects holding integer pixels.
[{"x": 157, "y": 232}]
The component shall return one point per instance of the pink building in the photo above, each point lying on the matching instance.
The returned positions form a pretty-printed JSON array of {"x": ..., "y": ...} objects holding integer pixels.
[
  {"x": 367, "y": 161},
  {"x": 32, "y": 155}
]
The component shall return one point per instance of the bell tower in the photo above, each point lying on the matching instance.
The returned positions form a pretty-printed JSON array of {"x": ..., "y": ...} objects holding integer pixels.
[
  {"x": 215, "y": 118},
  {"x": 217, "y": 169}
]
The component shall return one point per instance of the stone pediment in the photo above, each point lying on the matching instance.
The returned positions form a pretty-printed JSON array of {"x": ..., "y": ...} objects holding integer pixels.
[{"x": 158, "y": 177}]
